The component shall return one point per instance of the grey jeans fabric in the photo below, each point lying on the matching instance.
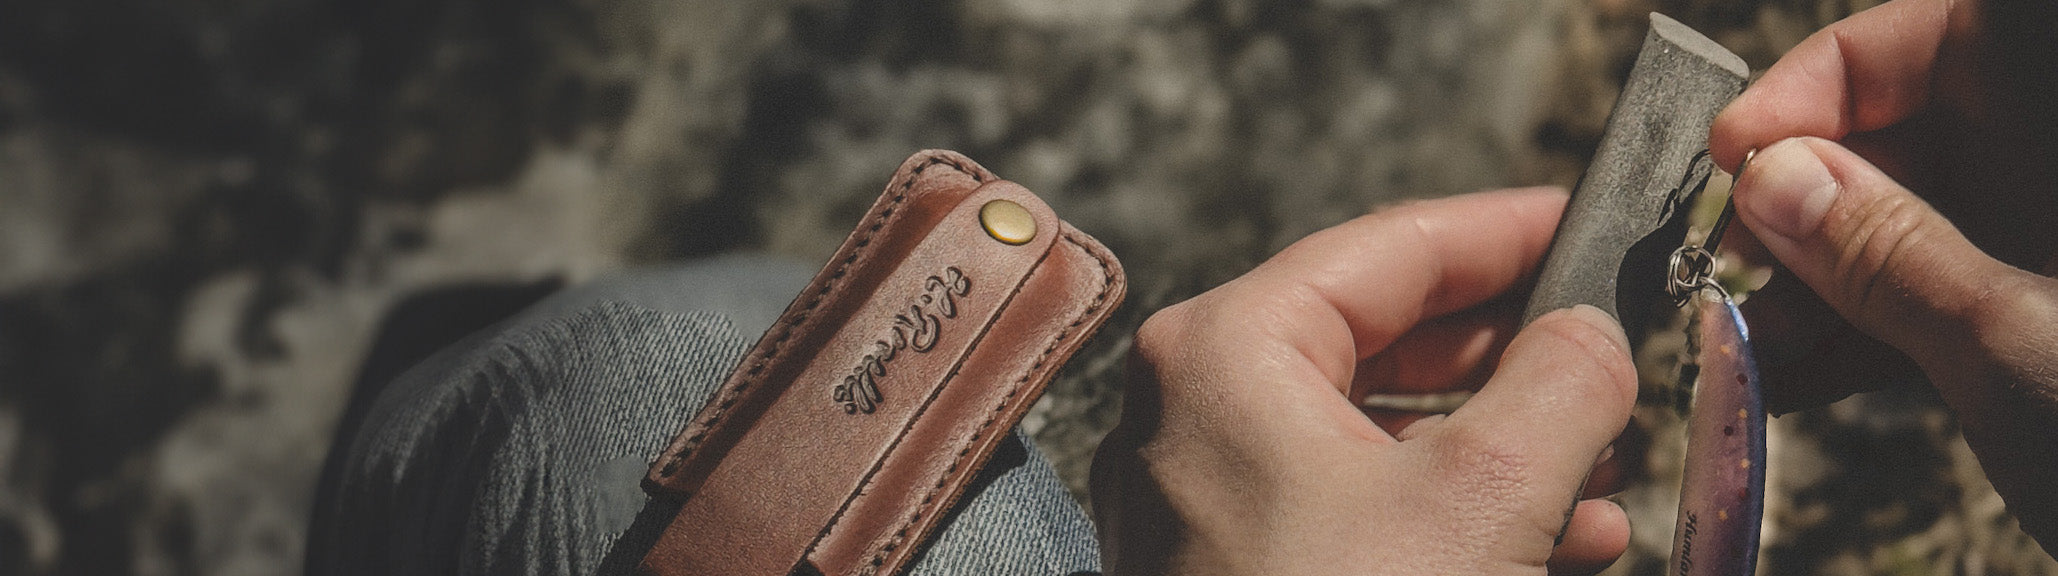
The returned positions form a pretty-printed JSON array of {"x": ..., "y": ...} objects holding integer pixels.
[{"x": 520, "y": 449}]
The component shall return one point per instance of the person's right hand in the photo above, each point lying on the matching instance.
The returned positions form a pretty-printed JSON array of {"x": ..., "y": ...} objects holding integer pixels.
[{"x": 1954, "y": 100}]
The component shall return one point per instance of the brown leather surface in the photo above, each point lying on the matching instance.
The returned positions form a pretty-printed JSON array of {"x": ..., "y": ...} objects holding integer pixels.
[
  {"x": 1063, "y": 302},
  {"x": 858, "y": 418},
  {"x": 922, "y": 190}
]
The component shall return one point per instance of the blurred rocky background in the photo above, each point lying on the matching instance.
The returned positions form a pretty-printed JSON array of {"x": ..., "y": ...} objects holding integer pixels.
[{"x": 211, "y": 210}]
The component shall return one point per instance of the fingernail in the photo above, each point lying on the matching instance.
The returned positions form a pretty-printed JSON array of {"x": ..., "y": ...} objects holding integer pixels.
[{"x": 1786, "y": 190}]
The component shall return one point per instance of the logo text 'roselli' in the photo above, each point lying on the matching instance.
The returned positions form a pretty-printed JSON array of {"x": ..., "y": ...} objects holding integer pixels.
[{"x": 915, "y": 329}]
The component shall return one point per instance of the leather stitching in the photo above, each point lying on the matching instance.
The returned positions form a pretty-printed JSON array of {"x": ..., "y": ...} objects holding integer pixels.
[
  {"x": 790, "y": 322},
  {"x": 964, "y": 455}
]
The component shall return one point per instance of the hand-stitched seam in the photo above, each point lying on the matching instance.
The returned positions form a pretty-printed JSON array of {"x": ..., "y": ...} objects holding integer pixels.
[
  {"x": 788, "y": 323},
  {"x": 964, "y": 454}
]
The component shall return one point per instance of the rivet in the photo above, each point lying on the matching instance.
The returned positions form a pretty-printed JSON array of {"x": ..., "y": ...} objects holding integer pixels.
[{"x": 1008, "y": 222}]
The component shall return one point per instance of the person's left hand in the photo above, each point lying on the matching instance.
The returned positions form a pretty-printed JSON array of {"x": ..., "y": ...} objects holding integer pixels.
[{"x": 1241, "y": 449}]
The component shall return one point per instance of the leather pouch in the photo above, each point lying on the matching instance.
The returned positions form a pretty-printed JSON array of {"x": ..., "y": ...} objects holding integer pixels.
[{"x": 856, "y": 422}]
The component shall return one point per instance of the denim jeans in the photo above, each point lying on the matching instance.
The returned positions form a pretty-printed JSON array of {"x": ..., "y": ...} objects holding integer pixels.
[{"x": 520, "y": 449}]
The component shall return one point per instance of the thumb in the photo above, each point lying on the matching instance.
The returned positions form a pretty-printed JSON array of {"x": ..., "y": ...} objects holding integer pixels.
[
  {"x": 1878, "y": 254},
  {"x": 1562, "y": 391},
  {"x": 1516, "y": 455}
]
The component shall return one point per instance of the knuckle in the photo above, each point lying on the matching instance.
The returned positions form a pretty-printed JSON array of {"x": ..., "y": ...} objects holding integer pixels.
[
  {"x": 1880, "y": 251},
  {"x": 1174, "y": 335},
  {"x": 1586, "y": 353},
  {"x": 1491, "y": 481},
  {"x": 2013, "y": 317},
  {"x": 1185, "y": 324},
  {"x": 1483, "y": 461},
  {"x": 1161, "y": 333},
  {"x": 1997, "y": 306}
]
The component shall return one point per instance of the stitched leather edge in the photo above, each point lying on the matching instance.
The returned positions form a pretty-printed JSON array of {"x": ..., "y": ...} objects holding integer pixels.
[
  {"x": 929, "y": 401},
  {"x": 1109, "y": 272},
  {"x": 772, "y": 350}
]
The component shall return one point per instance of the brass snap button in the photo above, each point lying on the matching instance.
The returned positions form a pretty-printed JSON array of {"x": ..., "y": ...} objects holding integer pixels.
[{"x": 1008, "y": 222}]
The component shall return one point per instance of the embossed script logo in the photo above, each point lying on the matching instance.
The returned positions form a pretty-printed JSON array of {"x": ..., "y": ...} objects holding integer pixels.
[
  {"x": 915, "y": 329},
  {"x": 1686, "y": 544}
]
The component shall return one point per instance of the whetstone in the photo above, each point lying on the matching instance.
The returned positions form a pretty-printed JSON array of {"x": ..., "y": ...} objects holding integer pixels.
[{"x": 1628, "y": 211}]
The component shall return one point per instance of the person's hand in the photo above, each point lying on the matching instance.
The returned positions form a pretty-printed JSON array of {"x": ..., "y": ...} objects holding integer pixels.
[
  {"x": 1241, "y": 449},
  {"x": 1952, "y": 103}
]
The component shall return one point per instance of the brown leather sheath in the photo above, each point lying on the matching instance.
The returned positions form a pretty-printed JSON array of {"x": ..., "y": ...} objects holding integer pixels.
[{"x": 860, "y": 416}]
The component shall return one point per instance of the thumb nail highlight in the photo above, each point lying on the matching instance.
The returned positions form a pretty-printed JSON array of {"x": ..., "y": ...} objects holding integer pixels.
[{"x": 1786, "y": 190}]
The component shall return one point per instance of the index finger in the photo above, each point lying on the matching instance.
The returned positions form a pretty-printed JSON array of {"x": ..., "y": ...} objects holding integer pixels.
[
  {"x": 1342, "y": 294},
  {"x": 1863, "y": 73}
]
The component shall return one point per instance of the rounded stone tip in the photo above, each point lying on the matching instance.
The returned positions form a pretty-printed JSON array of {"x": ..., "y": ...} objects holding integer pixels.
[{"x": 1694, "y": 43}]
